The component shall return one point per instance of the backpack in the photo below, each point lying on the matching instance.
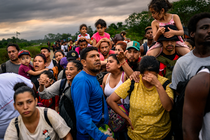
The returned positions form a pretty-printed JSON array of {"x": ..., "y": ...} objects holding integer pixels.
[
  {"x": 3, "y": 68},
  {"x": 177, "y": 112},
  {"x": 45, "y": 116},
  {"x": 169, "y": 66},
  {"x": 66, "y": 108}
]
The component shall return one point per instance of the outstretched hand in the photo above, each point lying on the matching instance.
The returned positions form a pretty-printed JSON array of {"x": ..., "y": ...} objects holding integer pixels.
[{"x": 121, "y": 56}]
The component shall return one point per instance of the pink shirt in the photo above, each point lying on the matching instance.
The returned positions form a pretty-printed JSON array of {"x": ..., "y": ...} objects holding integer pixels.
[
  {"x": 24, "y": 69},
  {"x": 97, "y": 37}
]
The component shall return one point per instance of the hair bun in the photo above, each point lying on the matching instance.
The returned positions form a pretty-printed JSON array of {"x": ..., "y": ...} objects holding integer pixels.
[{"x": 18, "y": 85}]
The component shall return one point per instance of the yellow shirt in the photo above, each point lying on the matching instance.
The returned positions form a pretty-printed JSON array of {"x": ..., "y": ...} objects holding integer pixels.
[{"x": 149, "y": 119}]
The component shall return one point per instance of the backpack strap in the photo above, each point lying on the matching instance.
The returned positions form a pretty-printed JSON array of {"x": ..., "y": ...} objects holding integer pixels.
[
  {"x": 53, "y": 102},
  {"x": 165, "y": 84},
  {"x": 169, "y": 63},
  {"x": 145, "y": 48},
  {"x": 64, "y": 75},
  {"x": 54, "y": 62},
  {"x": 17, "y": 127},
  {"x": 3, "y": 68},
  {"x": 208, "y": 67},
  {"x": 46, "y": 117},
  {"x": 62, "y": 86}
]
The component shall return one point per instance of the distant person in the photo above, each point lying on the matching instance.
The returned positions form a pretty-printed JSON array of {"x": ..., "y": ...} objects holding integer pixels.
[
  {"x": 159, "y": 9},
  {"x": 58, "y": 67},
  {"x": 120, "y": 46},
  {"x": 101, "y": 35},
  {"x": 190, "y": 43},
  {"x": 26, "y": 69},
  {"x": 50, "y": 62},
  {"x": 71, "y": 45},
  {"x": 49, "y": 45},
  {"x": 82, "y": 44},
  {"x": 83, "y": 34},
  {"x": 13, "y": 64},
  {"x": 123, "y": 33},
  {"x": 146, "y": 46},
  {"x": 64, "y": 48}
]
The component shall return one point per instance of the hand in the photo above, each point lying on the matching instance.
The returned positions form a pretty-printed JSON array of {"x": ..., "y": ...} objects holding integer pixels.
[
  {"x": 46, "y": 69},
  {"x": 135, "y": 76},
  {"x": 105, "y": 39},
  {"x": 121, "y": 56},
  {"x": 151, "y": 78},
  {"x": 109, "y": 138},
  {"x": 82, "y": 38},
  {"x": 169, "y": 34},
  {"x": 161, "y": 30},
  {"x": 43, "y": 81},
  {"x": 129, "y": 123}
]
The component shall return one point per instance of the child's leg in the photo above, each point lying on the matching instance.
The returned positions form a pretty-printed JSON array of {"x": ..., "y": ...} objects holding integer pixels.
[
  {"x": 155, "y": 50},
  {"x": 182, "y": 48}
]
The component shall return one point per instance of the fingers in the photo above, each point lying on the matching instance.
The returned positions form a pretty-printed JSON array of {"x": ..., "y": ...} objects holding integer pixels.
[{"x": 135, "y": 76}]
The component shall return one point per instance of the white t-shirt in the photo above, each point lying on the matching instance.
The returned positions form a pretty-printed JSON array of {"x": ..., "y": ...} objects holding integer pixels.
[
  {"x": 7, "y": 111},
  {"x": 43, "y": 131},
  {"x": 51, "y": 65},
  {"x": 65, "y": 49},
  {"x": 87, "y": 36}
]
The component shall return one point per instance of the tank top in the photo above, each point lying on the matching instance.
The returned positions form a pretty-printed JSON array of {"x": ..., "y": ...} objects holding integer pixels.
[
  {"x": 108, "y": 90},
  {"x": 171, "y": 22}
]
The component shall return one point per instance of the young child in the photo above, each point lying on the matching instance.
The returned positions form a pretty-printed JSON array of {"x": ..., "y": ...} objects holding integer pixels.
[
  {"x": 83, "y": 34},
  {"x": 159, "y": 9},
  {"x": 26, "y": 69},
  {"x": 101, "y": 35},
  {"x": 82, "y": 44}
]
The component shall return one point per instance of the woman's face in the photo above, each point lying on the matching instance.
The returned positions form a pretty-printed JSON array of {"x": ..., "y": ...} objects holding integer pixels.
[
  {"x": 38, "y": 63},
  {"x": 118, "y": 49},
  {"x": 46, "y": 79},
  {"x": 71, "y": 71},
  {"x": 112, "y": 64},
  {"x": 58, "y": 56},
  {"x": 25, "y": 104}
]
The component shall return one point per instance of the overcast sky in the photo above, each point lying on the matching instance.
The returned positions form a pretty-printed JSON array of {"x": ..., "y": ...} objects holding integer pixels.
[{"x": 36, "y": 18}]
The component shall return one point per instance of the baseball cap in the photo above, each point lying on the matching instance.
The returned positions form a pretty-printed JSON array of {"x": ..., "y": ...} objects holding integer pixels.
[
  {"x": 23, "y": 52},
  {"x": 163, "y": 38},
  {"x": 72, "y": 55},
  {"x": 133, "y": 44}
]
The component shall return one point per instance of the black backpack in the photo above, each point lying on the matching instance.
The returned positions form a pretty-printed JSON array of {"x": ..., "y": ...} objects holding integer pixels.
[{"x": 66, "y": 108}]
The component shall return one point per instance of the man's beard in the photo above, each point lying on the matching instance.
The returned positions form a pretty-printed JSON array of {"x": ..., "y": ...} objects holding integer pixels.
[
  {"x": 95, "y": 70},
  {"x": 14, "y": 59}
]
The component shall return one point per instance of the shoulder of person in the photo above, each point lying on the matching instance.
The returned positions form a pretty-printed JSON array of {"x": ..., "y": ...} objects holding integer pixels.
[{"x": 154, "y": 22}]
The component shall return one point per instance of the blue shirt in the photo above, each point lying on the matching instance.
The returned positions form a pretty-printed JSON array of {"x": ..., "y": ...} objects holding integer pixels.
[{"x": 87, "y": 96}]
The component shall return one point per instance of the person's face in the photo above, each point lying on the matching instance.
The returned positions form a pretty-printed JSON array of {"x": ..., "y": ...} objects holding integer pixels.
[
  {"x": 100, "y": 29},
  {"x": 169, "y": 46},
  {"x": 38, "y": 63},
  {"x": 118, "y": 49},
  {"x": 132, "y": 55},
  {"x": 45, "y": 52},
  {"x": 92, "y": 62},
  {"x": 71, "y": 71},
  {"x": 189, "y": 45},
  {"x": 202, "y": 33},
  {"x": 25, "y": 104},
  {"x": 156, "y": 15},
  {"x": 71, "y": 42},
  {"x": 112, "y": 64},
  {"x": 45, "y": 78},
  {"x": 83, "y": 45},
  {"x": 104, "y": 48},
  {"x": 58, "y": 56},
  {"x": 149, "y": 34},
  {"x": 25, "y": 60},
  {"x": 12, "y": 53},
  {"x": 83, "y": 30},
  {"x": 147, "y": 72}
]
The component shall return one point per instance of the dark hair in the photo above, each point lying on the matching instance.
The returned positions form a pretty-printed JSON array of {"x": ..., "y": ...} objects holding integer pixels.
[
  {"x": 84, "y": 52},
  {"x": 15, "y": 45},
  {"x": 22, "y": 87},
  {"x": 157, "y": 5},
  {"x": 122, "y": 44},
  {"x": 82, "y": 40},
  {"x": 149, "y": 63},
  {"x": 45, "y": 48},
  {"x": 77, "y": 63},
  {"x": 106, "y": 42},
  {"x": 43, "y": 57},
  {"x": 83, "y": 25},
  {"x": 192, "y": 43},
  {"x": 60, "y": 52},
  {"x": 48, "y": 73},
  {"x": 101, "y": 22},
  {"x": 194, "y": 20},
  {"x": 115, "y": 57},
  {"x": 123, "y": 33},
  {"x": 147, "y": 28}
]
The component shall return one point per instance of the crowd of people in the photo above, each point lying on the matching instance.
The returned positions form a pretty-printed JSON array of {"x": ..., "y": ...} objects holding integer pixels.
[{"x": 105, "y": 88}]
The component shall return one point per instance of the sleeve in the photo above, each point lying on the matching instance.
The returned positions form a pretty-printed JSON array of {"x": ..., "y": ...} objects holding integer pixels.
[
  {"x": 88, "y": 36},
  {"x": 11, "y": 132},
  {"x": 83, "y": 114},
  {"x": 56, "y": 100},
  {"x": 169, "y": 91},
  {"x": 122, "y": 90},
  {"x": 177, "y": 75},
  {"x": 58, "y": 123},
  {"x": 25, "y": 80},
  {"x": 94, "y": 36},
  {"x": 51, "y": 91},
  {"x": 26, "y": 69}
]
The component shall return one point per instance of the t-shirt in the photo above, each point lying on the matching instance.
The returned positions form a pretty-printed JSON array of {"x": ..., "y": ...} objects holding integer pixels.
[
  {"x": 148, "y": 117},
  {"x": 186, "y": 67},
  {"x": 51, "y": 65},
  {"x": 23, "y": 69},
  {"x": 88, "y": 105},
  {"x": 11, "y": 67},
  {"x": 65, "y": 49},
  {"x": 87, "y": 36},
  {"x": 43, "y": 131},
  {"x": 97, "y": 37},
  {"x": 7, "y": 110}
]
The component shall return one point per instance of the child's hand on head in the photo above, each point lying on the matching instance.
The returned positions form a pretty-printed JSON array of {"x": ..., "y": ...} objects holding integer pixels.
[
  {"x": 161, "y": 30},
  {"x": 169, "y": 34},
  {"x": 106, "y": 39}
]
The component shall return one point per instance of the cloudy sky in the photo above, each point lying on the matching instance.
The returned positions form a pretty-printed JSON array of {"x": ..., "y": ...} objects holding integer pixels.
[{"x": 36, "y": 18}]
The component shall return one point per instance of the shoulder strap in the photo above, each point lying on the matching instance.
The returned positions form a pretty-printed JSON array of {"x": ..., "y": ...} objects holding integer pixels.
[
  {"x": 165, "y": 84},
  {"x": 62, "y": 86},
  {"x": 54, "y": 62},
  {"x": 208, "y": 67},
  {"x": 17, "y": 127},
  {"x": 166, "y": 61},
  {"x": 107, "y": 79},
  {"x": 145, "y": 47},
  {"x": 64, "y": 75},
  {"x": 46, "y": 117},
  {"x": 123, "y": 79},
  {"x": 3, "y": 68}
]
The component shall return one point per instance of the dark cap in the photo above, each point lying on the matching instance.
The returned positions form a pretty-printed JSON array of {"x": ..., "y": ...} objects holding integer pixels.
[
  {"x": 72, "y": 55},
  {"x": 23, "y": 52},
  {"x": 45, "y": 48},
  {"x": 163, "y": 38}
]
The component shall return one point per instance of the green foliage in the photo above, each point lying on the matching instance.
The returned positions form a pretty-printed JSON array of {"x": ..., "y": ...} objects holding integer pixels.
[{"x": 115, "y": 28}]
